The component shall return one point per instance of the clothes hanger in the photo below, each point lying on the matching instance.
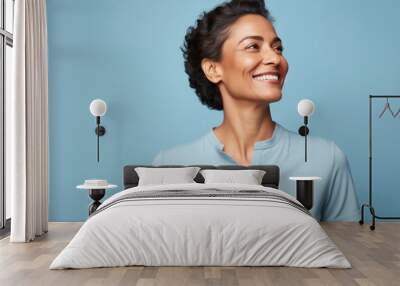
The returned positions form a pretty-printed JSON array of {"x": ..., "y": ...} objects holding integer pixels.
[
  {"x": 397, "y": 113},
  {"x": 387, "y": 106}
]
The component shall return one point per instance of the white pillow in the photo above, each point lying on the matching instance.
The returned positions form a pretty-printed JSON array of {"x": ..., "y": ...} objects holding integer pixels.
[
  {"x": 162, "y": 176},
  {"x": 248, "y": 177}
]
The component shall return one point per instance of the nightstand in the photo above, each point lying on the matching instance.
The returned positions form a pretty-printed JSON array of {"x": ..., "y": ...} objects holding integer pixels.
[
  {"x": 97, "y": 190},
  {"x": 305, "y": 190}
]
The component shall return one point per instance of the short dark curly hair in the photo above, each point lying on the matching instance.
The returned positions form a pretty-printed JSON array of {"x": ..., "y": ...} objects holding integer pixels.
[{"x": 205, "y": 40}]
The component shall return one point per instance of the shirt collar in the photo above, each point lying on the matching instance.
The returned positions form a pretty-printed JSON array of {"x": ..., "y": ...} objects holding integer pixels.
[{"x": 264, "y": 144}]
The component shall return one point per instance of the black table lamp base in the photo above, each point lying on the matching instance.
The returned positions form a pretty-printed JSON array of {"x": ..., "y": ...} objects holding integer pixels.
[
  {"x": 304, "y": 193},
  {"x": 305, "y": 190},
  {"x": 96, "y": 195}
]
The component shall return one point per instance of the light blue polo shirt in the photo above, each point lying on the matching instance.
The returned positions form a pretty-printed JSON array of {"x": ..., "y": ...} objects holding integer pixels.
[{"x": 334, "y": 196}]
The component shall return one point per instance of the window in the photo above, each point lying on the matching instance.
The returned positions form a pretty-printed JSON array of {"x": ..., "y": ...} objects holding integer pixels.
[{"x": 6, "y": 60}]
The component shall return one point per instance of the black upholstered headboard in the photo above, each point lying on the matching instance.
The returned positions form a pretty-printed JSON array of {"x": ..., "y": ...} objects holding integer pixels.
[{"x": 271, "y": 177}]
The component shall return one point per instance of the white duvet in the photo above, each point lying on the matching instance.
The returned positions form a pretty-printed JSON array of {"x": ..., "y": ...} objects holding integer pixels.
[{"x": 200, "y": 231}]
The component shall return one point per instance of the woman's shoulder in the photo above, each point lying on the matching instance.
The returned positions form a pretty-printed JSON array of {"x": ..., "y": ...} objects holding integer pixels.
[
  {"x": 318, "y": 144},
  {"x": 185, "y": 153},
  {"x": 319, "y": 141}
]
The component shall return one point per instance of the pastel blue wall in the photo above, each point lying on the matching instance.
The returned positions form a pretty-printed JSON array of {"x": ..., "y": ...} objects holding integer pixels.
[{"x": 127, "y": 53}]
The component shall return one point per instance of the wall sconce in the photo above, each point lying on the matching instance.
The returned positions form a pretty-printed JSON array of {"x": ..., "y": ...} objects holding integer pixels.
[
  {"x": 98, "y": 108},
  {"x": 305, "y": 108}
]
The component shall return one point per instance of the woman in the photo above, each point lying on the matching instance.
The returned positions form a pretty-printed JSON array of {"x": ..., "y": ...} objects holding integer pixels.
[{"x": 235, "y": 63}]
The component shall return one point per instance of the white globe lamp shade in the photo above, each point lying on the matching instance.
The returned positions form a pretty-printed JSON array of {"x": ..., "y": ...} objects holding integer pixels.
[
  {"x": 305, "y": 107},
  {"x": 98, "y": 107}
]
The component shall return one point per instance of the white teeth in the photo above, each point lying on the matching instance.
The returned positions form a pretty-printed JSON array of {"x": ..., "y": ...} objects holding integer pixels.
[{"x": 267, "y": 77}]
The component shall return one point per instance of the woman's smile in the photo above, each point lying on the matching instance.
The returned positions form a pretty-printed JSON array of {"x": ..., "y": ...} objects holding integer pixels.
[{"x": 267, "y": 77}]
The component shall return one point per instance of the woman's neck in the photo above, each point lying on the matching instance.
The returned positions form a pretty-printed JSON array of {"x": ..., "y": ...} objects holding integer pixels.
[{"x": 242, "y": 127}]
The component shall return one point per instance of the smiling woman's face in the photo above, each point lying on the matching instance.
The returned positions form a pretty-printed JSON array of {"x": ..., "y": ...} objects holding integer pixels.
[{"x": 252, "y": 66}]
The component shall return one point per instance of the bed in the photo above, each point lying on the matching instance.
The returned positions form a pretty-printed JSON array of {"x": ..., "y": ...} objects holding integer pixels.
[{"x": 198, "y": 224}]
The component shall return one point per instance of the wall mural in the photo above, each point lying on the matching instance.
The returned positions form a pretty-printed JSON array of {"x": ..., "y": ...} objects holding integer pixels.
[{"x": 216, "y": 83}]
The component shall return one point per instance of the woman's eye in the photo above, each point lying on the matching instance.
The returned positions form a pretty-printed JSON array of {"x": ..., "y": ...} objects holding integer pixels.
[
  {"x": 279, "y": 49},
  {"x": 252, "y": 46}
]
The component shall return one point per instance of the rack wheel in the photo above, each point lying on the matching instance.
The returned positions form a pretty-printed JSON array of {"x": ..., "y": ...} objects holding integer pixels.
[
  {"x": 361, "y": 222},
  {"x": 372, "y": 227}
]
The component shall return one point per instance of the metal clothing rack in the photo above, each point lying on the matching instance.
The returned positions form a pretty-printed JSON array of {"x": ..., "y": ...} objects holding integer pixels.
[{"x": 369, "y": 204}]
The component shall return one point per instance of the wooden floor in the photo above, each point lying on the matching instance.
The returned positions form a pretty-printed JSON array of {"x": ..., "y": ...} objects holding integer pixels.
[{"x": 375, "y": 257}]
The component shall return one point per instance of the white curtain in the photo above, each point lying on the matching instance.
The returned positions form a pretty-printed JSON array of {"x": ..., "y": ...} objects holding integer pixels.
[{"x": 27, "y": 123}]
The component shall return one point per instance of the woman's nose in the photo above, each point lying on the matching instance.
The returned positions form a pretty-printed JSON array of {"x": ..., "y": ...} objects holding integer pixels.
[{"x": 270, "y": 56}]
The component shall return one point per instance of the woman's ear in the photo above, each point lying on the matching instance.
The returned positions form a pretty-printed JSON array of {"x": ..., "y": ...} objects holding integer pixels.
[{"x": 212, "y": 70}]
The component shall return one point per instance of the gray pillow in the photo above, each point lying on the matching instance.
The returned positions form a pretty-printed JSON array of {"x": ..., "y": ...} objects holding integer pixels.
[
  {"x": 162, "y": 176},
  {"x": 248, "y": 177}
]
